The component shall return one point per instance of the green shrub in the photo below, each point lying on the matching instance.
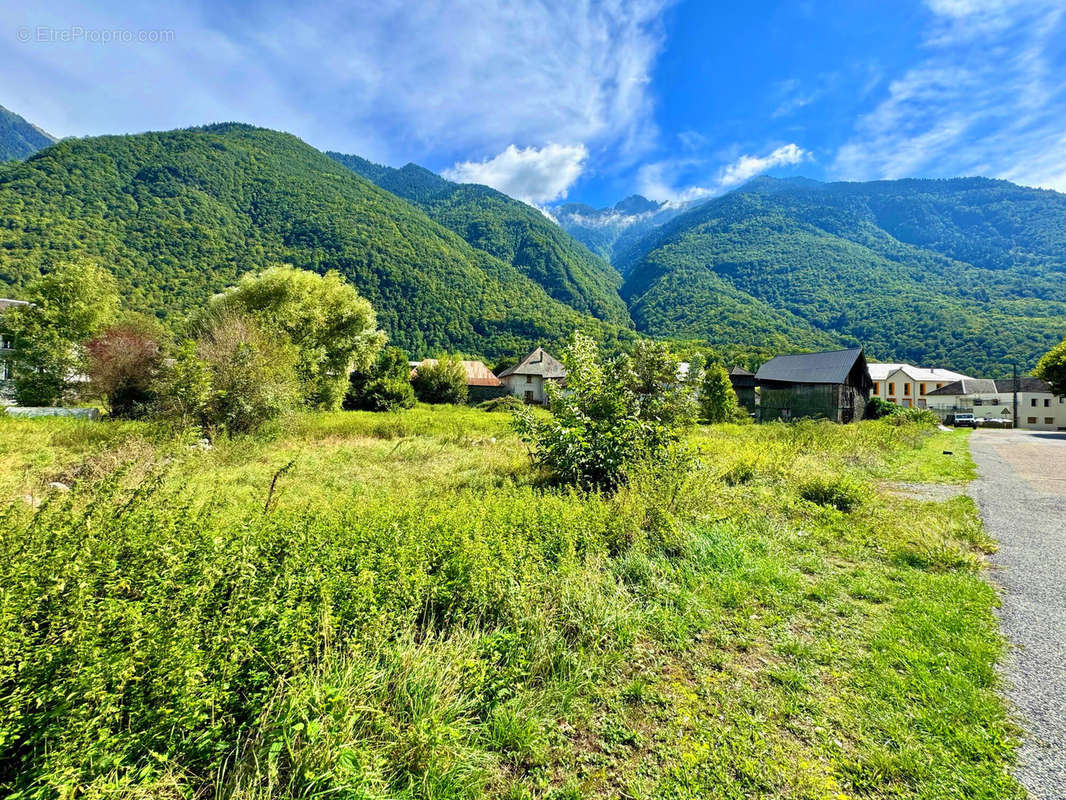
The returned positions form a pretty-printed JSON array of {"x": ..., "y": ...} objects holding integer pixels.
[
  {"x": 385, "y": 386},
  {"x": 441, "y": 380},
  {"x": 879, "y": 408},
  {"x": 718, "y": 400},
  {"x": 612, "y": 415},
  {"x": 252, "y": 374},
  {"x": 506, "y": 403},
  {"x": 843, "y": 494},
  {"x": 914, "y": 416},
  {"x": 329, "y": 327}
]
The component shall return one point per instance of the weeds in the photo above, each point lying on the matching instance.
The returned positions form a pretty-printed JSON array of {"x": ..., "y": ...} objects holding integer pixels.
[{"x": 416, "y": 617}]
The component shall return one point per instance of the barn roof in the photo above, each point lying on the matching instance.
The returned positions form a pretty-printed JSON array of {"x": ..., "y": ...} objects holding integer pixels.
[
  {"x": 477, "y": 374},
  {"x": 830, "y": 367},
  {"x": 537, "y": 363}
]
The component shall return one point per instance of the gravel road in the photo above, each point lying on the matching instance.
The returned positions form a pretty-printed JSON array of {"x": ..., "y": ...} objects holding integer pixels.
[{"x": 1021, "y": 493}]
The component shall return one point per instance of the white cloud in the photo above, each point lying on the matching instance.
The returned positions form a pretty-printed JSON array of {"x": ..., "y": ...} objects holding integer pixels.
[
  {"x": 984, "y": 100},
  {"x": 388, "y": 79},
  {"x": 747, "y": 167},
  {"x": 664, "y": 180},
  {"x": 536, "y": 175}
]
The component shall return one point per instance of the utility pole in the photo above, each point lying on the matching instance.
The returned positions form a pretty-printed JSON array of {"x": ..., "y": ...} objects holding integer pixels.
[{"x": 1014, "y": 386}]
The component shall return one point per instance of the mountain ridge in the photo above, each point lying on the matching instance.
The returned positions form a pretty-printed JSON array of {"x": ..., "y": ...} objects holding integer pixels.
[
  {"x": 20, "y": 138},
  {"x": 179, "y": 215},
  {"x": 964, "y": 272},
  {"x": 510, "y": 230}
]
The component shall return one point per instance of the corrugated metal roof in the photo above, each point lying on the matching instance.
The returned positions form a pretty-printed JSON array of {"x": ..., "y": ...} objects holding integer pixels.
[
  {"x": 829, "y": 367},
  {"x": 537, "y": 363}
]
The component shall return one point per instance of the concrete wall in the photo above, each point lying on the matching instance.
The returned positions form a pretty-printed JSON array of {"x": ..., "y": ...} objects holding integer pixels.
[
  {"x": 519, "y": 385},
  {"x": 53, "y": 411}
]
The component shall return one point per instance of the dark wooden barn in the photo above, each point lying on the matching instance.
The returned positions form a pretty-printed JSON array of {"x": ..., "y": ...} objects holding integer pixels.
[
  {"x": 744, "y": 386},
  {"x": 834, "y": 385}
]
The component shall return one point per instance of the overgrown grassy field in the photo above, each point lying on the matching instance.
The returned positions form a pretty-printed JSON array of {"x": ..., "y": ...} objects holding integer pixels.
[{"x": 413, "y": 613}]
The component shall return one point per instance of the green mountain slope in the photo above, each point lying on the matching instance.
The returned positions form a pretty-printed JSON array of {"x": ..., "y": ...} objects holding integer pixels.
[
  {"x": 609, "y": 232},
  {"x": 510, "y": 230},
  {"x": 179, "y": 215},
  {"x": 18, "y": 138},
  {"x": 969, "y": 274}
]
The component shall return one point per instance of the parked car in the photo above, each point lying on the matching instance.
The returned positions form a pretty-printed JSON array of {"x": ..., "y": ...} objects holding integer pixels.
[{"x": 965, "y": 421}]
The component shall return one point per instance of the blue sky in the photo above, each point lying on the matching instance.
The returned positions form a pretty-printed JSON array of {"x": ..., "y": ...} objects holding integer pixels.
[{"x": 587, "y": 100}]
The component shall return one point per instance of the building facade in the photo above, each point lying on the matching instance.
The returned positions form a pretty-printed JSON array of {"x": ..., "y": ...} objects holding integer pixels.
[
  {"x": 833, "y": 385},
  {"x": 1038, "y": 408},
  {"x": 907, "y": 385},
  {"x": 527, "y": 379}
]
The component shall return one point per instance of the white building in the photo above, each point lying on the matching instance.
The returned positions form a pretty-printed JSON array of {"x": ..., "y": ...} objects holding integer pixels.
[
  {"x": 527, "y": 379},
  {"x": 1038, "y": 408},
  {"x": 907, "y": 385}
]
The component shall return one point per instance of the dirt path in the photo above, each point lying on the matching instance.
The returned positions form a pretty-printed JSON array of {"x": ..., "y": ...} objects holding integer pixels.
[{"x": 1021, "y": 493}]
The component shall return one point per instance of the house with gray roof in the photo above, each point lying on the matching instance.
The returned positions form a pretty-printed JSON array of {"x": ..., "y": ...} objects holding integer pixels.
[
  {"x": 1038, "y": 407},
  {"x": 527, "y": 379},
  {"x": 832, "y": 385}
]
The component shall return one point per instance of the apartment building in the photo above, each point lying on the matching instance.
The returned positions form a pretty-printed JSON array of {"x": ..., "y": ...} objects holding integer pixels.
[{"x": 909, "y": 386}]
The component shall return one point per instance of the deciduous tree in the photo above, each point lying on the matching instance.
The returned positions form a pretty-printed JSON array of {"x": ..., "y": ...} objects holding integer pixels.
[
  {"x": 1052, "y": 368},
  {"x": 68, "y": 306},
  {"x": 333, "y": 329}
]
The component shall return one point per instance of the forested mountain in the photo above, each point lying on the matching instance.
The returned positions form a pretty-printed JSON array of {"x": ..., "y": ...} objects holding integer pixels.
[
  {"x": 179, "y": 215},
  {"x": 608, "y": 232},
  {"x": 18, "y": 138},
  {"x": 510, "y": 230},
  {"x": 966, "y": 273}
]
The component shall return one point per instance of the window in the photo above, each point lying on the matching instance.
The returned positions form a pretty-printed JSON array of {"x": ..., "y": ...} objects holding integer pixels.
[
  {"x": 1033, "y": 402},
  {"x": 940, "y": 386},
  {"x": 877, "y": 388},
  {"x": 906, "y": 388},
  {"x": 977, "y": 401},
  {"x": 1047, "y": 402},
  {"x": 1049, "y": 420},
  {"x": 1031, "y": 420},
  {"x": 529, "y": 379},
  {"x": 891, "y": 390},
  {"x": 921, "y": 388}
]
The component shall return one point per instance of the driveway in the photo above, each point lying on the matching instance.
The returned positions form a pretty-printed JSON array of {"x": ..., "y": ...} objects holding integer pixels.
[{"x": 1021, "y": 492}]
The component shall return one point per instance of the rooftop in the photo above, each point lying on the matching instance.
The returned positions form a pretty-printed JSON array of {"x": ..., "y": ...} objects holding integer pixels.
[
  {"x": 833, "y": 366},
  {"x": 537, "y": 363}
]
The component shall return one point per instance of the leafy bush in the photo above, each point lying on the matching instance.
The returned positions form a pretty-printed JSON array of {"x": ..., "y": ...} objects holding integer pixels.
[
  {"x": 843, "y": 494},
  {"x": 879, "y": 408},
  {"x": 506, "y": 403},
  {"x": 123, "y": 364},
  {"x": 718, "y": 401},
  {"x": 441, "y": 380},
  {"x": 252, "y": 374},
  {"x": 69, "y": 305},
  {"x": 331, "y": 328},
  {"x": 612, "y": 415},
  {"x": 916, "y": 416},
  {"x": 385, "y": 386}
]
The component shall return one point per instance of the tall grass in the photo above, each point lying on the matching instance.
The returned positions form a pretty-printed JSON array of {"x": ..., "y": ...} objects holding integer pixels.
[{"x": 414, "y": 615}]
